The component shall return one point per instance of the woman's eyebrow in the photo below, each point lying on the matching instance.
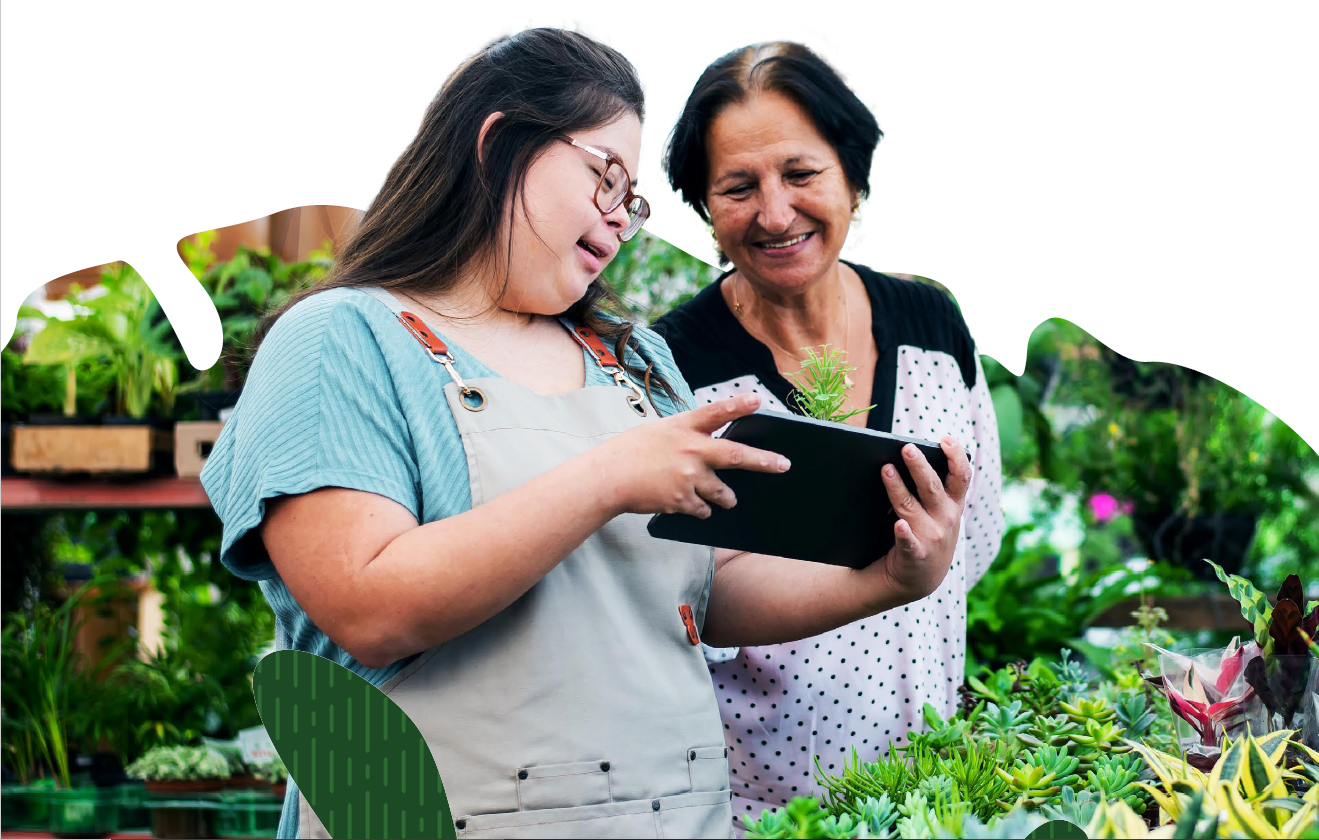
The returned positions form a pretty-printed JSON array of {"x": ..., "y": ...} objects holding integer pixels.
[{"x": 729, "y": 176}]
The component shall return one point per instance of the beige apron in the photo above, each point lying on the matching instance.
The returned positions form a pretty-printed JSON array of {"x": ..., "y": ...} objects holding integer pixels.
[{"x": 584, "y": 709}]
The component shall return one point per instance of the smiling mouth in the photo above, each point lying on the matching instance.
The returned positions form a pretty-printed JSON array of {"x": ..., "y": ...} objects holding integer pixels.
[
  {"x": 785, "y": 243},
  {"x": 594, "y": 251}
]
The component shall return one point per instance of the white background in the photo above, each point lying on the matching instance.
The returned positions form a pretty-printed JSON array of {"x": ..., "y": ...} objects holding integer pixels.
[{"x": 1147, "y": 171}]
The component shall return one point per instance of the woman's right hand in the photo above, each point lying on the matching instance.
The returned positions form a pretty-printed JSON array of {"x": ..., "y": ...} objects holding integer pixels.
[{"x": 668, "y": 466}]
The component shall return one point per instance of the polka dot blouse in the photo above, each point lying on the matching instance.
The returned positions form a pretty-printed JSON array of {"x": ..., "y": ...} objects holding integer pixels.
[{"x": 862, "y": 685}]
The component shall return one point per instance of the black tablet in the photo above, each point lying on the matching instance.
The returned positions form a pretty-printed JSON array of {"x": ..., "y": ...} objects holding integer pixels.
[{"x": 830, "y": 507}]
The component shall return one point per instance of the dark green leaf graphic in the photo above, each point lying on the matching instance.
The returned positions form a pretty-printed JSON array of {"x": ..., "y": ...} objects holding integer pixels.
[
  {"x": 360, "y": 761},
  {"x": 1058, "y": 830}
]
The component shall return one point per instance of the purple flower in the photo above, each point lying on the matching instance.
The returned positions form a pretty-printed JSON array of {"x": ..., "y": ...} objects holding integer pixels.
[{"x": 1103, "y": 506}]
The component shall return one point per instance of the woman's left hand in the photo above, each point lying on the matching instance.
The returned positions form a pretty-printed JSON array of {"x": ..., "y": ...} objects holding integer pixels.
[{"x": 927, "y": 527}]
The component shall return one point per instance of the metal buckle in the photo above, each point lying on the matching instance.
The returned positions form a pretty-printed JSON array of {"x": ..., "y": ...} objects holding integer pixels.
[
  {"x": 636, "y": 399},
  {"x": 467, "y": 390}
]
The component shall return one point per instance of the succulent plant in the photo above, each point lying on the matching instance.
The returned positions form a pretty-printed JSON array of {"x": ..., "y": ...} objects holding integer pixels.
[
  {"x": 1055, "y": 731},
  {"x": 1084, "y": 710},
  {"x": 1116, "y": 777},
  {"x": 1135, "y": 715}
]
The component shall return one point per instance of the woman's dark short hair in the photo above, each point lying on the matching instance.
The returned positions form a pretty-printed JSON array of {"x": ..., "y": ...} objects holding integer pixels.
[{"x": 781, "y": 67}]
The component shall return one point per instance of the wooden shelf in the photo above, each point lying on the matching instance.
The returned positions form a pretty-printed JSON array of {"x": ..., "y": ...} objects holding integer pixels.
[
  {"x": 1211, "y": 611},
  {"x": 35, "y": 494}
]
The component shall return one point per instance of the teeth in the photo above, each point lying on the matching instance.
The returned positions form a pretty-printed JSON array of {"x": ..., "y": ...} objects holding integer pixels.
[{"x": 787, "y": 244}]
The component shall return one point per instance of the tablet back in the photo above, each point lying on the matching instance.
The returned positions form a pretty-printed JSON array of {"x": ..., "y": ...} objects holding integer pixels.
[{"x": 830, "y": 507}]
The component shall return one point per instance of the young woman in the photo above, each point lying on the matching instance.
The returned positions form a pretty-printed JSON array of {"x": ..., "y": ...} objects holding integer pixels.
[{"x": 441, "y": 464}]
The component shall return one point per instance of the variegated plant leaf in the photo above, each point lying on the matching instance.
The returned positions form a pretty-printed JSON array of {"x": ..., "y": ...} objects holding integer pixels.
[{"x": 1255, "y": 606}]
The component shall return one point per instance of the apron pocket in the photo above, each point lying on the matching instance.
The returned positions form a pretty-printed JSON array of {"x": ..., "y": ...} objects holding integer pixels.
[
  {"x": 704, "y": 814},
  {"x": 564, "y": 785},
  {"x": 707, "y": 768}
]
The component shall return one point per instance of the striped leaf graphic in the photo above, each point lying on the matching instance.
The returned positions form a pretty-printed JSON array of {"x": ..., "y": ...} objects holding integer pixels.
[{"x": 357, "y": 758}]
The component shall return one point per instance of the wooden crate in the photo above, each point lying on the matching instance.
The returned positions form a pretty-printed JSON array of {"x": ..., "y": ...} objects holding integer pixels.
[
  {"x": 192, "y": 444},
  {"x": 85, "y": 449}
]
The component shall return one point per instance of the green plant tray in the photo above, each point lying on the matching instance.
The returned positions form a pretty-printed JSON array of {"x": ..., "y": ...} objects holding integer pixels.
[
  {"x": 252, "y": 813},
  {"x": 133, "y": 811},
  {"x": 23, "y": 809},
  {"x": 82, "y": 812}
]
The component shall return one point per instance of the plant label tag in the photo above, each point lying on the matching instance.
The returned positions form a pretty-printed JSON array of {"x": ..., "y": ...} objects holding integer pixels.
[{"x": 256, "y": 745}]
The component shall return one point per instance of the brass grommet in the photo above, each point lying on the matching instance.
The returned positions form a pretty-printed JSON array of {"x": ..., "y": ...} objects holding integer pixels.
[{"x": 478, "y": 393}]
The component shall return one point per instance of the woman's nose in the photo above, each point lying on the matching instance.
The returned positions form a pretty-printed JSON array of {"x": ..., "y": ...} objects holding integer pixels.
[
  {"x": 776, "y": 211},
  {"x": 618, "y": 219}
]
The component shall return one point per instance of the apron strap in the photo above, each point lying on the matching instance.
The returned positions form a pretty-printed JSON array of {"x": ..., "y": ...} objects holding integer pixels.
[
  {"x": 473, "y": 399},
  {"x": 608, "y": 362},
  {"x": 439, "y": 352}
]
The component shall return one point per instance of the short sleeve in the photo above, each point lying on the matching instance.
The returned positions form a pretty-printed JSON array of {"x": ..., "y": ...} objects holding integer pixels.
[{"x": 318, "y": 409}]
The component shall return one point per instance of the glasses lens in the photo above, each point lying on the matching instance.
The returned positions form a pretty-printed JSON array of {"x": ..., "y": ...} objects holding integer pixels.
[
  {"x": 614, "y": 187},
  {"x": 638, "y": 212}
]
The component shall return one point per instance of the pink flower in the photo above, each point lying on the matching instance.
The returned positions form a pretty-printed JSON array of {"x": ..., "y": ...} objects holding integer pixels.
[{"x": 1103, "y": 506}]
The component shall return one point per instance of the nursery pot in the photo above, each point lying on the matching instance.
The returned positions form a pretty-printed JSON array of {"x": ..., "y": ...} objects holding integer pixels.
[
  {"x": 184, "y": 787},
  {"x": 247, "y": 781},
  {"x": 83, "y": 812}
]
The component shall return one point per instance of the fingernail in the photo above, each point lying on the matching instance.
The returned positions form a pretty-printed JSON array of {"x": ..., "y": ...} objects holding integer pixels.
[
  {"x": 902, "y": 527},
  {"x": 889, "y": 470},
  {"x": 950, "y": 440},
  {"x": 750, "y": 399},
  {"x": 910, "y": 451},
  {"x": 784, "y": 463}
]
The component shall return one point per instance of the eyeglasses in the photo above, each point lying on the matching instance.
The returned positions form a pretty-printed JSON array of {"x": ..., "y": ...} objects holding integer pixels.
[{"x": 614, "y": 190}]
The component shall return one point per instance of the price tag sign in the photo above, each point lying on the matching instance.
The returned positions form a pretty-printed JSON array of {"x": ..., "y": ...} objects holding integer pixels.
[{"x": 256, "y": 745}]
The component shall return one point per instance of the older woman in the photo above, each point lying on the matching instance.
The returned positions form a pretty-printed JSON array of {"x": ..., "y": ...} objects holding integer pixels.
[{"x": 774, "y": 151}]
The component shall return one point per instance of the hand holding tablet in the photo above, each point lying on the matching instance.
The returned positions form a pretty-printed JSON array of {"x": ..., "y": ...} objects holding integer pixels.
[{"x": 836, "y": 504}]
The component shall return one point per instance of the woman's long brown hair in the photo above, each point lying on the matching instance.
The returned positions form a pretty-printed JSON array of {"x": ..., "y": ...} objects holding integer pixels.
[{"x": 439, "y": 210}]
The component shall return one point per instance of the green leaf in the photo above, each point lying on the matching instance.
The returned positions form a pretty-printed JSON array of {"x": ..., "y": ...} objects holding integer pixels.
[
  {"x": 62, "y": 342},
  {"x": 1255, "y": 606},
  {"x": 1011, "y": 417}
]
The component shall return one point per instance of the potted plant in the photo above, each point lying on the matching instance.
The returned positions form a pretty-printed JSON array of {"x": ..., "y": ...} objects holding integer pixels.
[
  {"x": 243, "y": 289},
  {"x": 111, "y": 327},
  {"x": 275, "y": 774},
  {"x": 183, "y": 786},
  {"x": 46, "y": 681},
  {"x": 181, "y": 770}
]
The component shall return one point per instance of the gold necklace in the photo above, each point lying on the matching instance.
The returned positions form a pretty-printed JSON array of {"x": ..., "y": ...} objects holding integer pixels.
[{"x": 847, "y": 328}]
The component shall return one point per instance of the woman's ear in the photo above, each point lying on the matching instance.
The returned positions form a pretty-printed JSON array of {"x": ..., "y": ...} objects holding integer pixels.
[{"x": 485, "y": 129}]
